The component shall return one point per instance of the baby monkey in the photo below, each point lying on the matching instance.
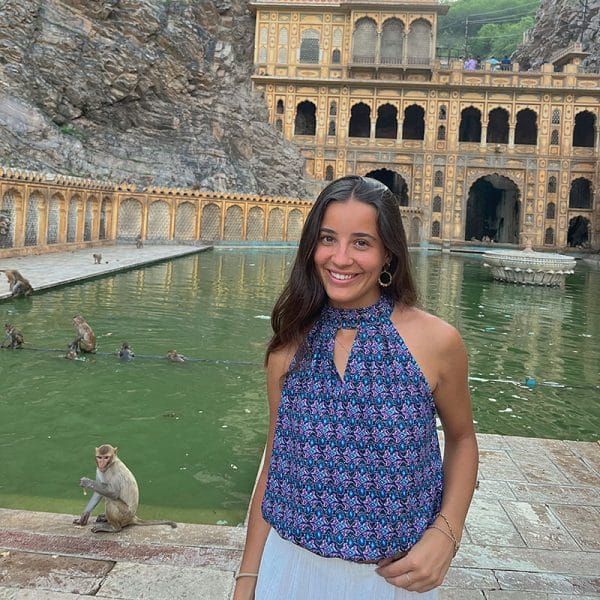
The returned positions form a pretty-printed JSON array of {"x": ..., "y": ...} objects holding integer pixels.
[
  {"x": 97, "y": 258},
  {"x": 174, "y": 356},
  {"x": 117, "y": 485},
  {"x": 126, "y": 352},
  {"x": 13, "y": 337}
]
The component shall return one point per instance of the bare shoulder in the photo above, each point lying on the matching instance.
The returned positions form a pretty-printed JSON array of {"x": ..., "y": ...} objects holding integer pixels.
[
  {"x": 437, "y": 333},
  {"x": 435, "y": 345},
  {"x": 279, "y": 361}
]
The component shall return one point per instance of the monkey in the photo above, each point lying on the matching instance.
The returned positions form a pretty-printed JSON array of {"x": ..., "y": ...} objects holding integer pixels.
[
  {"x": 85, "y": 340},
  {"x": 174, "y": 356},
  {"x": 126, "y": 352},
  {"x": 17, "y": 284},
  {"x": 72, "y": 351},
  {"x": 13, "y": 336},
  {"x": 97, "y": 259},
  {"x": 116, "y": 483},
  {"x": 138, "y": 242}
]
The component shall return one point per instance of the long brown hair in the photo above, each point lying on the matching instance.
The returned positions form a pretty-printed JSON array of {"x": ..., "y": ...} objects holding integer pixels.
[{"x": 303, "y": 296}]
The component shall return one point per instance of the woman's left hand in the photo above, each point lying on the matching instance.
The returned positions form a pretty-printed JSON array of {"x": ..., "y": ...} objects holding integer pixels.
[{"x": 424, "y": 567}]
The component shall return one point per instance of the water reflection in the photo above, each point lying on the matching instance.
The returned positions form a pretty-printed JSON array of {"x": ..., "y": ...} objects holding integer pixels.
[{"x": 193, "y": 432}]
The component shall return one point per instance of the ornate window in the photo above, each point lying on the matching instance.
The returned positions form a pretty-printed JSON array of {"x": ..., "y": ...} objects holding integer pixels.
[
  {"x": 360, "y": 121},
  {"x": 392, "y": 42},
  {"x": 309, "y": 47},
  {"x": 549, "y": 237},
  {"x": 438, "y": 179},
  {"x": 526, "y": 128},
  {"x": 470, "y": 125},
  {"x": 329, "y": 173},
  {"x": 552, "y": 184},
  {"x": 551, "y": 211},
  {"x": 580, "y": 195},
  {"x": 283, "y": 45},
  {"x": 419, "y": 42},
  {"x": 306, "y": 121},
  {"x": 441, "y": 133},
  {"x": 437, "y": 204},
  {"x": 436, "y": 229},
  {"x": 364, "y": 41},
  {"x": 556, "y": 116},
  {"x": 554, "y": 137},
  {"x": 443, "y": 113},
  {"x": 584, "y": 131}
]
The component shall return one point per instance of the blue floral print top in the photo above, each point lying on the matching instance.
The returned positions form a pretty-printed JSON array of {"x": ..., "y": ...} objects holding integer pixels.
[{"x": 356, "y": 470}]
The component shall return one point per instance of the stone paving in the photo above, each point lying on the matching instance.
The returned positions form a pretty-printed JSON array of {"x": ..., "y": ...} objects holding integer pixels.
[
  {"x": 533, "y": 531},
  {"x": 50, "y": 270}
]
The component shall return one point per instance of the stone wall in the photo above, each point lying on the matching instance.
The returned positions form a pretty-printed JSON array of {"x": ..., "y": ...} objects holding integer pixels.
[
  {"x": 153, "y": 92},
  {"x": 558, "y": 24}
]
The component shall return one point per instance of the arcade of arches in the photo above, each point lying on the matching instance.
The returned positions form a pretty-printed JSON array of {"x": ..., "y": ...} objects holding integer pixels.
[
  {"x": 498, "y": 155},
  {"x": 65, "y": 213}
]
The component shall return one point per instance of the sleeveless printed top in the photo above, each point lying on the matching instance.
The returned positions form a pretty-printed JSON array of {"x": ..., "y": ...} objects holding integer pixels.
[{"x": 356, "y": 470}]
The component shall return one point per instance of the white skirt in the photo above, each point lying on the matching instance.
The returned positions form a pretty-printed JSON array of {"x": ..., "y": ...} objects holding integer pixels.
[{"x": 290, "y": 572}]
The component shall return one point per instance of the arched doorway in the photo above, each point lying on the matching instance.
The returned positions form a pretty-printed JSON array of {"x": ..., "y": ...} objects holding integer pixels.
[
  {"x": 493, "y": 210},
  {"x": 394, "y": 181},
  {"x": 578, "y": 234}
]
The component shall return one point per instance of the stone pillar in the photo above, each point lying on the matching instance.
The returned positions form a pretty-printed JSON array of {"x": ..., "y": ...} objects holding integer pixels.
[
  {"x": 511, "y": 136},
  {"x": 483, "y": 136}
]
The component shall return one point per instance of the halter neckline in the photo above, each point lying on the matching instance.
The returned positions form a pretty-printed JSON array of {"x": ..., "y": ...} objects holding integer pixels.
[{"x": 351, "y": 318}]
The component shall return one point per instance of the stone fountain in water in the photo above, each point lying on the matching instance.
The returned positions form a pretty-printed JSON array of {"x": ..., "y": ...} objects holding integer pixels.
[{"x": 529, "y": 267}]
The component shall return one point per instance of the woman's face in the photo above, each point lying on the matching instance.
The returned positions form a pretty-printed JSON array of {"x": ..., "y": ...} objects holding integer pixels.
[{"x": 349, "y": 254}]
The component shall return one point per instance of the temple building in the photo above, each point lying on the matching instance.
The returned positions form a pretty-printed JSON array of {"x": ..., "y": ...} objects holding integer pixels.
[{"x": 493, "y": 153}]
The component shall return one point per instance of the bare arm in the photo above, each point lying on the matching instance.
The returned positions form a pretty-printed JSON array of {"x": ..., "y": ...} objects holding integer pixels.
[
  {"x": 427, "y": 563},
  {"x": 258, "y": 528}
]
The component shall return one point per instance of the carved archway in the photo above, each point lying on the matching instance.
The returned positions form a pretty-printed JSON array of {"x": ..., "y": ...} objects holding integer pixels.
[
  {"x": 394, "y": 181},
  {"x": 493, "y": 210}
]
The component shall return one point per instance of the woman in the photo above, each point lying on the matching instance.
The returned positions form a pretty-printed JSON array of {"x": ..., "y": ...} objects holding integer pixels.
[{"x": 353, "y": 501}]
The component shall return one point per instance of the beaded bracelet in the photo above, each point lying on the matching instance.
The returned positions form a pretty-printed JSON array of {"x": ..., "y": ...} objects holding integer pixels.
[{"x": 242, "y": 574}]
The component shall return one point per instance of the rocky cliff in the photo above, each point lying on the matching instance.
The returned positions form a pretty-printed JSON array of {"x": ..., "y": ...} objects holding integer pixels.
[
  {"x": 147, "y": 91},
  {"x": 559, "y": 23}
]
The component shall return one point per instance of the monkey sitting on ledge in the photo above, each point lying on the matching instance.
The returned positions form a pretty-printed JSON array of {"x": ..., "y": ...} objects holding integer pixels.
[
  {"x": 17, "y": 284},
  {"x": 117, "y": 485}
]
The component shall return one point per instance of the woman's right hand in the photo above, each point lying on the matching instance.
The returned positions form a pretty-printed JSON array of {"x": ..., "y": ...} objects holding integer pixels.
[{"x": 244, "y": 588}]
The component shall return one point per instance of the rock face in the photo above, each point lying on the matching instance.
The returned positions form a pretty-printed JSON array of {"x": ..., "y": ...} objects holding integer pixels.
[
  {"x": 558, "y": 24},
  {"x": 147, "y": 91}
]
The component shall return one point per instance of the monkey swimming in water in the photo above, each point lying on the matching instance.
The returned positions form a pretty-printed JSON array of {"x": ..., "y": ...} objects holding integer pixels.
[
  {"x": 126, "y": 352},
  {"x": 174, "y": 356},
  {"x": 97, "y": 259},
  {"x": 85, "y": 340},
  {"x": 13, "y": 336},
  {"x": 17, "y": 284},
  {"x": 117, "y": 485}
]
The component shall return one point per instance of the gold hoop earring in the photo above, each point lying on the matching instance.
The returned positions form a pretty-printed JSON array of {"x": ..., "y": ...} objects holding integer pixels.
[{"x": 385, "y": 277}]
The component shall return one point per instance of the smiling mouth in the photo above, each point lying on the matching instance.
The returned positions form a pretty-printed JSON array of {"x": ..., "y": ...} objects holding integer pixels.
[{"x": 341, "y": 276}]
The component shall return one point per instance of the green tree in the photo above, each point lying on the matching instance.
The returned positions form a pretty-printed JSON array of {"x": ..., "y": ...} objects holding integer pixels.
[
  {"x": 466, "y": 18},
  {"x": 499, "y": 40}
]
